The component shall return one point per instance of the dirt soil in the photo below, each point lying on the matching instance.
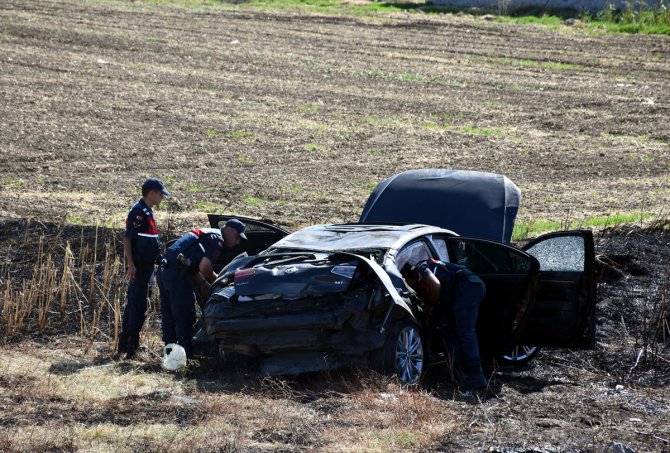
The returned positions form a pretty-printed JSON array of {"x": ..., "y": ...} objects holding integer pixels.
[{"x": 294, "y": 117}]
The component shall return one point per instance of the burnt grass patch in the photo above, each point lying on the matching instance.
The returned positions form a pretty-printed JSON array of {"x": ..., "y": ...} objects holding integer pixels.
[{"x": 632, "y": 287}]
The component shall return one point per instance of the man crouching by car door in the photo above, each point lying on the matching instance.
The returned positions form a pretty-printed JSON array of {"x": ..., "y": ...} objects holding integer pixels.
[
  {"x": 453, "y": 295},
  {"x": 189, "y": 265}
]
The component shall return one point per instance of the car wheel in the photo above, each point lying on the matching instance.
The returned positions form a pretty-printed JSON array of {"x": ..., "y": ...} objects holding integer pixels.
[
  {"x": 403, "y": 352},
  {"x": 519, "y": 355}
]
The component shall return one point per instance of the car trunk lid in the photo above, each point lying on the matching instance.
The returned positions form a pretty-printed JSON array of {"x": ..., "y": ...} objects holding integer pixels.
[{"x": 470, "y": 203}]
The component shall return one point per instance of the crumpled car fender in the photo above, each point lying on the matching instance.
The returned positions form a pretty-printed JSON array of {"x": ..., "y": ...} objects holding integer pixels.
[{"x": 385, "y": 280}]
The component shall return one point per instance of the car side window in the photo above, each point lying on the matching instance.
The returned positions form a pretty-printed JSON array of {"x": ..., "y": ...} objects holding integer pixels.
[
  {"x": 441, "y": 246},
  {"x": 415, "y": 251},
  {"x": 565, "y": 253},
  {"x": 489, "y": 258}
]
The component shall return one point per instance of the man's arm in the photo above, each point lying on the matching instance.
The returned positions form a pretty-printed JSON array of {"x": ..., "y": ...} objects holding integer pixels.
[
  {"x": 205, "y": 276},
  {"x": 128, "y": 252},
  {"x": 206, "y": 270},
  {"x": 432, "y": 290}
]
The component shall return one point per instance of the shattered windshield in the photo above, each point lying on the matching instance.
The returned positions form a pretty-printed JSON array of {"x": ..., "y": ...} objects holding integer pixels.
[{"x": 343, "y": 237}]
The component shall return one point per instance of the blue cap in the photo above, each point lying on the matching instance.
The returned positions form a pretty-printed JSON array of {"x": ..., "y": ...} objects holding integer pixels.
[
  {"x": 237, "y": 226},
  {"x": 155, "y": 184}
]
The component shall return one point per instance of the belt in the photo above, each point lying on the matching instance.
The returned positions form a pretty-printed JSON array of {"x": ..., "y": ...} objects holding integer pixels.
[{"x": 169, "y": 264}]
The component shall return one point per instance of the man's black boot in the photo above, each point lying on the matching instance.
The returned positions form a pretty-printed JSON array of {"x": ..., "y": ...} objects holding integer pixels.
[
  {"x": 474, "y": 378},
  {"x": 132, "y": 346},
  {"x": 122, "y": 347}
]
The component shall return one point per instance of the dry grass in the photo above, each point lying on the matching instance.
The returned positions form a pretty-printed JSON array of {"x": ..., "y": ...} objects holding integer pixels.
[
  {"x": 62, "y": 284},
  {"x": 69, "y": 400},
  {"x": 60, "y": 390},
  {"x": 60, "y": 324}
]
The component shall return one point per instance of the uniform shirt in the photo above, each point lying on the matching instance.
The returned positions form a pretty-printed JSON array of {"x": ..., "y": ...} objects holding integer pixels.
[
  {"x": 448, "y": 274},
  {"x": 141, "y": 229},
  {"x": 194, "y": 246}
]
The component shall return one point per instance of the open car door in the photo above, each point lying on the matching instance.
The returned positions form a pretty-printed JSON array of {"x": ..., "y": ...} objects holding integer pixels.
[
  {"x": 510, "y": 276},
  {"x": 260, "y": 234},
  {"x": 564, "y": 311}
]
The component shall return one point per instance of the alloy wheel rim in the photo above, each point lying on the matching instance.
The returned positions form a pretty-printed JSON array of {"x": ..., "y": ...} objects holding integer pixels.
[
  {"x": 409, "y": 355},
  {"x": 520, "y": 352}
]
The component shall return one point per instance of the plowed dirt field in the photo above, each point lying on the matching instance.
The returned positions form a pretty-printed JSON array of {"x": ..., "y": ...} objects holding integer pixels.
[{"x": 294, "y": 116}]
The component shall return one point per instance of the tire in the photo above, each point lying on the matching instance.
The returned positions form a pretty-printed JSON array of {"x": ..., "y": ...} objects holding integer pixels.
[
  {"x": 403, "y": 353},
  {"x": 519, "y": 355}
]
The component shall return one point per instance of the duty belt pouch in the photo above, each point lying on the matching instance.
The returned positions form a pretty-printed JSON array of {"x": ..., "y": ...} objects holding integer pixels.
[
  {"x": 184, "y": 266},
  {"x": 164, "y": 264}
]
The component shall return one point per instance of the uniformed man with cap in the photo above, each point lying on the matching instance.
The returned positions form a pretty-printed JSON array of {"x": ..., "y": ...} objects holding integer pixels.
[
  {"x": 453, "y": 295},
  {"x": 189, "y": 265},
  {"x": 141, "y": 247}
]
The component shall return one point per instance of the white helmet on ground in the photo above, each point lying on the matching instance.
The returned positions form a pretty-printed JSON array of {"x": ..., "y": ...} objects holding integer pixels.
[{"x": 174, "y": 357}]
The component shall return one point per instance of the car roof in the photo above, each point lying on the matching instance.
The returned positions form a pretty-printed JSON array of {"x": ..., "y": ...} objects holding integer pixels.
[{"x": 350, "y": 237}]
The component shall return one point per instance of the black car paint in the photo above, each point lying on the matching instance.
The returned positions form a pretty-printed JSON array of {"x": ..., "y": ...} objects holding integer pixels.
[{"x": 311, "y": 315}]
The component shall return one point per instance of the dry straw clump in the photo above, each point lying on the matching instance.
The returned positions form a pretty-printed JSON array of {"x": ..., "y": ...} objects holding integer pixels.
[{"x": 53, "y": 286}]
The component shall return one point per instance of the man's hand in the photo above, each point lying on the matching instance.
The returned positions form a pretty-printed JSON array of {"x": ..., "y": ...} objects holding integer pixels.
[
  {"x": 206, "y": 269},
  {"x": 128, "y": 253},
  {"x": 205, "y": 289},
  {"x": 203, "y": 292}
]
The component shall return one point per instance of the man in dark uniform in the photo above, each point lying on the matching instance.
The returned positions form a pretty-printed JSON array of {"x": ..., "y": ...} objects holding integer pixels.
[
  {"x": 453, "y": 295},
  {"x": 189, "y": 264},
  {"x": 141, "y": 247}
]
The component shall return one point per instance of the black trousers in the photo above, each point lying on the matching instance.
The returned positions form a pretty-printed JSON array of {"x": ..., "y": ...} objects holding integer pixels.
[
  {"x": 139, "y": 292},
  {"x": 458, "y": 323},
  {"x": 177, "y": 297}
]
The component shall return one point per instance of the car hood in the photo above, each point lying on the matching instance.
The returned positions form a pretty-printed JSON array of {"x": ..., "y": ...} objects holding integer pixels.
[{"x": 470, "y": 203}]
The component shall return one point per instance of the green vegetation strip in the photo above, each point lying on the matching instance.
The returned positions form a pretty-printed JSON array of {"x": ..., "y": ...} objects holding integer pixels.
[
  {"x": 635, "y": 17},
  {"x": 555, "y": 65},
  {"x": 526, "y": 229}
]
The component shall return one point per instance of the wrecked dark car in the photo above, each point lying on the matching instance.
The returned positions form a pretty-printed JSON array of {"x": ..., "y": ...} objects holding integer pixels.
[{"x": 332, "y": 295}]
